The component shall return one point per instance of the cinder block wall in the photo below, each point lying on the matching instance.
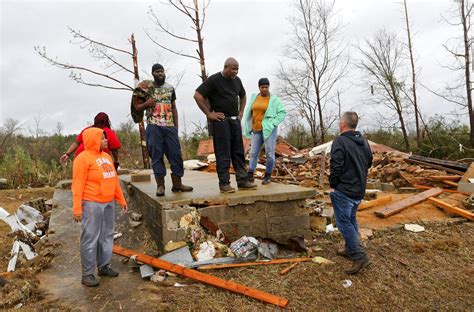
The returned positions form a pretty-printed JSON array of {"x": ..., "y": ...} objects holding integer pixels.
[{"x": 278, "y": 220}]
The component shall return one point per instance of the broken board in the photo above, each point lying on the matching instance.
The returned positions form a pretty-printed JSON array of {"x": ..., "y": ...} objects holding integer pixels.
[
  {"x": 396, "y": 207},
  {"x": 452, "y": 209}
]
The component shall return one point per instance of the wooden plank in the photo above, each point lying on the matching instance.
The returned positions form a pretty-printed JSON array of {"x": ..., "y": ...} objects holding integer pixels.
[
  {"x": 246, "y": 264},
  {"x": 441, "y": 162},
  {"x": 425, "y": 187},
  {"x": 288, "y": 269},
  {"x": 422, "y": 163},
  {"x": 469, "y": 173},
  {"x": 372, "y": 203},
  {"x": 450, "y": 183},
  {"x": 445, "y": 178},
  {"x": 407, "y": 202},
  {"x": 202, "y": 277},
  {"x": 452, "y": 209}
]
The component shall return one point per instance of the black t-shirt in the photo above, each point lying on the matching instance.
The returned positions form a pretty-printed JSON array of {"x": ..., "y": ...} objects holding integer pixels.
[{"x": 223, "y": 94}]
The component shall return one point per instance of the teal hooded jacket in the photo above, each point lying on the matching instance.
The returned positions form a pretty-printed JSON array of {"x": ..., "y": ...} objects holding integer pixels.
[{"x": 274, "y": 115}]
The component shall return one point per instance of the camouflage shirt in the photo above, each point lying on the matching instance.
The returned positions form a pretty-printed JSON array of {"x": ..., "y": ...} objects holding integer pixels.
[{"x": 164, "y": 95}]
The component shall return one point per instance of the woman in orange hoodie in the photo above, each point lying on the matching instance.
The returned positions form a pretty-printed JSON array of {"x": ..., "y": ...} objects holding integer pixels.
[{"x": 95, "y": 187}]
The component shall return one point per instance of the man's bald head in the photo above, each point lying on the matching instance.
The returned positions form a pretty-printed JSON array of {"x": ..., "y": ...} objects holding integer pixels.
[{"x": 231, "y": 68}]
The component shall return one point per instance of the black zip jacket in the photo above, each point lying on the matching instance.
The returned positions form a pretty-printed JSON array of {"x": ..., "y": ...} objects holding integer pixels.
[{"x": 351, "y": 158}]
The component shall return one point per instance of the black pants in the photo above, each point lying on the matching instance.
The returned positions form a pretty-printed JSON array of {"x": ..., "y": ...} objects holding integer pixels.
[{"x": 228, "y": 146}]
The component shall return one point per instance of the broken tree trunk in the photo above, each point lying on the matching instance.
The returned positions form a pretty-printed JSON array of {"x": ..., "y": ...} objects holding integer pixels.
[
  {"x": 452, "y": 209},
  {"x": 202, "y": 277},
  {"x": 246, "y": 264},
  {"x": 375, "y": 202},
  {"x": 407, "y": 202}
]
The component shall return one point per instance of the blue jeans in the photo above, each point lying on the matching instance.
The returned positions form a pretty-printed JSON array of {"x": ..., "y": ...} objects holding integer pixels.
[
  {"x": 255, "y": 146},
  {"x": 164, "y": 141},
  {"x": 345, "y": 210}
]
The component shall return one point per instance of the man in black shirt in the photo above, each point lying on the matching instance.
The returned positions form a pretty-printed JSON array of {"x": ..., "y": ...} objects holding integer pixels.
[
  {"x": 351, "y": 158},
  {"x": 226, "y": 95}
]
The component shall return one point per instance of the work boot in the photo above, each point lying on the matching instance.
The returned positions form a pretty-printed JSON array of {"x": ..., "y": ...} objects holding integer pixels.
[
  {"x": 178, "y": 186},
  {"x": 357, "y": 266},
  {"x": 226, "y": 188},
  {"x": 250, "y": 176},
  {"x": 107, "y": 271},
  {"x": 247, "y": 186},
  {"x": 160, "y": 185},
  {"x": 342, "y": 252},
  {"x": 267, "y": 179},
  {"x": 90, "y": 281}
]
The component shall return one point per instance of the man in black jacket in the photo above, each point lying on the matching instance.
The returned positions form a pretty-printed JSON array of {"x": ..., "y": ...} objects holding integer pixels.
[{"x": 350, "y": 160}]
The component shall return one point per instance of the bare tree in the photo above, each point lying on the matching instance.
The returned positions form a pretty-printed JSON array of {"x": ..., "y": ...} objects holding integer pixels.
[
  {"x": 196, "y": 13},
  {"x": 9, "y": 128},
  {"x": 112, "y": 60},
  {"x": 413, "y": 76},
  {"x": 382, "y": 62},
  {"x": 316, "y": 62},
  {"x": 460, "y": 49}
]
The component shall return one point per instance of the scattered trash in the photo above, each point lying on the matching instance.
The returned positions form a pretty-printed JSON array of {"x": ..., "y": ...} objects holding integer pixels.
[
  {"x": 206, "y": 251},
  {"x": 170, "y": 246},
  {"x": 146, "y": 271},
  {"x": 244, "y": 246},
  {"x": 157, "y": 278},
  {"x": 134, "y": 224},
  {"x": 414, "y": 228},
  {"x": 117, "y": 235},
  {"x": 268, "y": 250},
  {"x": 347, "y": 283},
  {"x": 193, "y": 164},
  {"x": 136, "y": 216},
  {"x": 181, "y": 256},
  {"x": 330, "y": 228},
  {"x": 321, "y": 260}
]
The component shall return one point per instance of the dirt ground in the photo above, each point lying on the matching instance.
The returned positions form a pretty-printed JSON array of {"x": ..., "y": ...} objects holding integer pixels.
[{"x": 431, "y": 270}]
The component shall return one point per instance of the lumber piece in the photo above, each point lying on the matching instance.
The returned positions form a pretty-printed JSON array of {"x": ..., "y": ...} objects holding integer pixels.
[
  {"x": 398, "y": 206},
  {"x": 429, "y": 165},
  {"x": 452, "y": 209},
  {"x": 202, "y": 277},
  {"x": 445, "y": 178},
  {"x": 425, "y": 187},
  {"x": 245, "y": 264},
  {"x": 450, "y": 183},
  {"x": 288, "y": 269},
  {"x": 376, "y": 202},
  {"x": 445, "y": 163}
]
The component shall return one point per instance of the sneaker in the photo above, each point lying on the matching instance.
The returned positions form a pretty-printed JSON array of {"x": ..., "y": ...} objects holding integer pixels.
[
  {"x": 107, "y": 271},
  {"x": 247, "y": 186},
  {"x": 357, "y": 266},
  {"x": 226, "y": 188},
  {"x": 90, "y": 281}
]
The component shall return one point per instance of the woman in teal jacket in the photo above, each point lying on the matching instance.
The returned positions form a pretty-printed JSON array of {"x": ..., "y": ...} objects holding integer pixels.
[{"x": 263, "y": 114}]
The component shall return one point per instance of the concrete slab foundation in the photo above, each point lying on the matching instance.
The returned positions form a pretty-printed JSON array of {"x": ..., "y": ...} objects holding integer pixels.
[{"x": 273, "y": 211}]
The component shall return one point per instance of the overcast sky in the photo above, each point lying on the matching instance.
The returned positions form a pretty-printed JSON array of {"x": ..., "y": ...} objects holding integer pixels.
[{"x": 254, "y": 32}]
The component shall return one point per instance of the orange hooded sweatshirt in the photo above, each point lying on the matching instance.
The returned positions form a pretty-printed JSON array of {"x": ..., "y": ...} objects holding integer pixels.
[{"x": 93, "y": 176}]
